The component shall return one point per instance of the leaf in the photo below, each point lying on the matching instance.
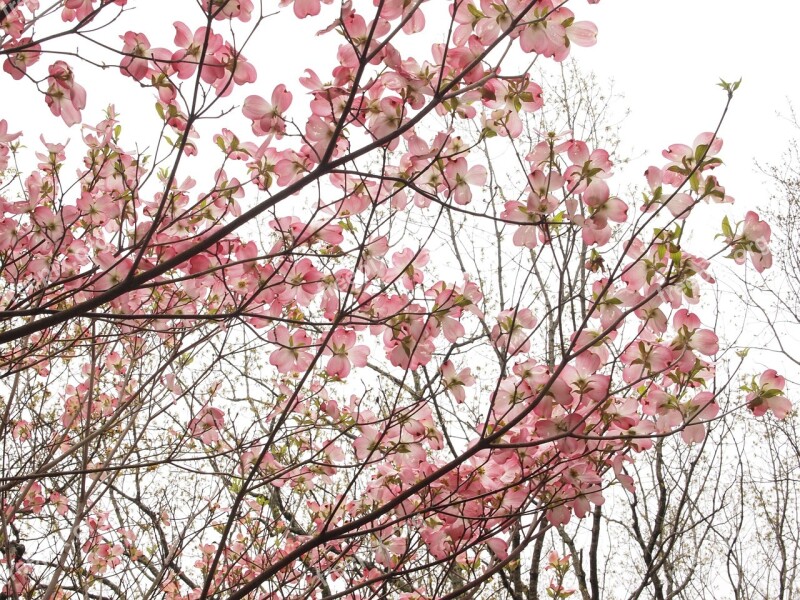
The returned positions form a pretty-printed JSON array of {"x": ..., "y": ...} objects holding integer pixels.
[
  {"x": 730, "y": 87},
  {"x": 727, "y": 231},
  {"x": 475, "y": 11}
]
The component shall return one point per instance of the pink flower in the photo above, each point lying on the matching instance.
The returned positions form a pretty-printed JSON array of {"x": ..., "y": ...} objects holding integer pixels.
[
  {"x": 582, "y": 33},
  {"x": 408, "y": 266},
  {"x": 206, "y": 425},
  {"x": 267, "y": 117},
  {"x": 229, "y": 9},
  {"x": 304, "y": 8},
  {"x": 372, "y": 263},
  {"x": 583, "y": 379},
  {"x": 17, "y": 63},
  {"x": 643, "y": 359},
  {"x": 60, "y": 502},
  {"x": 64, "y": 97},
  {"x": 545, "y": 34},
  {"x": 345, "y": 353},
  {"x": 702, "y": 407},
  {"x": 136, "y": 63},
  {"x": 755, "y": 241},
  {"x": 768, "y": 395},
  {"x": 6, "y": 137},
  {"x": 77, "y": 10},
  {"x": 98, "y": 209},
  {"x": 459, "y": 179},
  {"x": 508, "y": 98},
  {"x": 690, "y": 335},
  {"x": 454, "y": 382},
  {"x": 388, "y": 550},
  {"x": 678, "y": 204},
  {"x": 292, "y": 356},
  {"x": 510, "y": 333},
  {"x": 370, "y": 440},
  {"x": 114, "y": 269},
  {"x": 184, "y": 61},
  {"x": 409, "y": 340},
  {"x": 22, "y": 430},
  {"x": 386, "y": 118},
  {"x": 303, "y": 282},
  {"x": 705, "y": 146}
]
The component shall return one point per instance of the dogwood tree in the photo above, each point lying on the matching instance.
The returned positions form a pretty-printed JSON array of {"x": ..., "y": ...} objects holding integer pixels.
[{"x": 359, "y": 331}]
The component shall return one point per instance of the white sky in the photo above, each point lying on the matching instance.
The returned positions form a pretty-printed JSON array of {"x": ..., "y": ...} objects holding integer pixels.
[{"x": 666, "y": 56}]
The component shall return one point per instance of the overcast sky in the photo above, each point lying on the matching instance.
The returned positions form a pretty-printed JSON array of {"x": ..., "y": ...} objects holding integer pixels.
[{"x": 666, "y": 57}]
